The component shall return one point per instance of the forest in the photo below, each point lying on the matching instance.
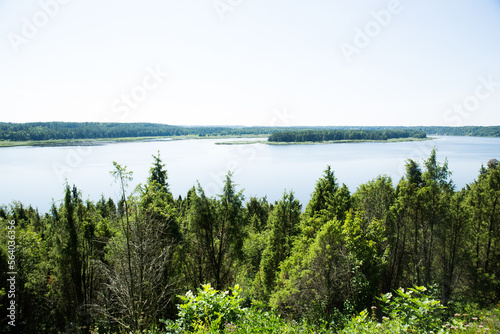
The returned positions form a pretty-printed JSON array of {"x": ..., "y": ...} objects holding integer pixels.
[
  {"x": 476, "y": 131},
  {"x": 316, "y": 136},
  {"x": 44, "y": 131},
  {"x": 417, "y": 255},
  {"x": 67, "y": 131}
]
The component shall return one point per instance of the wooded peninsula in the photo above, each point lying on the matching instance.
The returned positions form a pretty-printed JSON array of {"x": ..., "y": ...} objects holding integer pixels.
[{"x": 319, "y": 136}]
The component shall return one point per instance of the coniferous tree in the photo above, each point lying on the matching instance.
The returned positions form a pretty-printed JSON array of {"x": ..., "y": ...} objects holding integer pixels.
[
  {"x": 284, "y": 227},
  {"x": 141, "y": 276},
  {"x": 374, "y": 198},
  {"x": 215, "y": 230},
  {"x": 326, "y": 187},
  {"x": 158, "y": 174},
  {"x": 483, "y": 204}
]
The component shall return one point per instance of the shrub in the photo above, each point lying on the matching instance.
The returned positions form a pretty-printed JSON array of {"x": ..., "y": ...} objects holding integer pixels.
[
  {"x": 213, "y": 311},
  {"x": 415, "y": 306},
  {"x": 362, "y": 323},
  {"x": 209, "y": 309}
]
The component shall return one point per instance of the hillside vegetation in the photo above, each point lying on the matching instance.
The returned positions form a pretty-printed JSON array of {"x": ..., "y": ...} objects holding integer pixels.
[{"x": 415, "y": 256}]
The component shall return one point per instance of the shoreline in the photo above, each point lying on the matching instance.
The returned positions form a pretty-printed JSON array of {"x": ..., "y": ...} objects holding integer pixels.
[{"x": 105, "y": 141}]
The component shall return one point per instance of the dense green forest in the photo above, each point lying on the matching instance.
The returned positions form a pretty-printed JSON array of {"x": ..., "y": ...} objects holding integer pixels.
[
  {"x": 231, "y": 264},
  {"x": 67, "y": 131},
  {"x": 337, "y": 135},
  {"x": 70, "y": 131},
  {"x": 476, "y": 131}
]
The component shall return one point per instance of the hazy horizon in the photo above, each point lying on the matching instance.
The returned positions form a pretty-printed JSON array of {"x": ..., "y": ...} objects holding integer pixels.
[{"x": 251, "y": 63}]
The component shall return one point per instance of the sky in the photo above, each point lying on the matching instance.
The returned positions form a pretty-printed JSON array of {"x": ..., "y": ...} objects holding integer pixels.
[{"x": 251, "y": 62}]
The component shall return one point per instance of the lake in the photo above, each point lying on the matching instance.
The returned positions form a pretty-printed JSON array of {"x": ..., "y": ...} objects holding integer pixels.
[{"x": 36, "y": 175}]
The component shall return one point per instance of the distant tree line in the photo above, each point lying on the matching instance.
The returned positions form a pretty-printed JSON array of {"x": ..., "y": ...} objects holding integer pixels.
[
  {"x": 120, "y": 264},
  {"x": 68, "y": 131},
  {"x": 38, "y": 131},
  {"x": 334, "y": 135},
  {"x": 476, "y": 131}
]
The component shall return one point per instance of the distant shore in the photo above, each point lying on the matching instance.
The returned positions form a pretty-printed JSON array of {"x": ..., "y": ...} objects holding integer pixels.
[{"x": 104, "y": 141}]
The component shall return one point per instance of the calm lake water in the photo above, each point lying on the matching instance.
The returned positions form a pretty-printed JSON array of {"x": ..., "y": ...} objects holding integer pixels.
[{"x": 36, "y": 175}]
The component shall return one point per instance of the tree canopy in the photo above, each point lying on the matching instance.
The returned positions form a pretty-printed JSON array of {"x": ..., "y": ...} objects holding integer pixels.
[{"x": 122, "y": 267}]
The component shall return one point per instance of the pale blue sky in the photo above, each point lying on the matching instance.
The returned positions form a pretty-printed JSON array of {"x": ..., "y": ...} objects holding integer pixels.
[{"x": 88, "y": 60}]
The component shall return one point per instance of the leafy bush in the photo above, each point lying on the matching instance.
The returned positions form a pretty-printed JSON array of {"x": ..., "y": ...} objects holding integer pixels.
[
  {"x": 409, "y": 311},
  {"x": 363, "y": 323},
  {"x": 210, "y": 309},
  {"x": 414, "y": 311},
  {"x": 477, "y": 322},
  {"x": 213, "y": 311},
  {"x": 416, "y": 307},
  {"x": 461, "y": 323}
]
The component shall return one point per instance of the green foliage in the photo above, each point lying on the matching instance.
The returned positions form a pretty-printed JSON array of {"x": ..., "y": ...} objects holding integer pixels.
[
  {"x": 141, "y": 259},
  {"x": 419, "y": 309},
  {"x": 69, "y": 130},
  {"x": 420, "y": 225},
  {"x": 258, "y": 213},
  {"x": 414, "y": 311},
  {"x": 158, "y": 174},
  {"x": 482, "y": 201},
  {"x": 337, "y": 273},
  {"x": 326, "y": 187},
  {"x": 216, "y": 230},
  {"x": 253, "y": 247},
  {"x": 209, "y": 307},
  {"x": 335, "y": 135},
  {"x": 87, "y": 265},
  {"x": 39, "y": 131},
  {"x": 284, "y": 226},
  {"x": 212, "y": 311},
  {"x": 364, "y": 323},
  {"x": 375, "y": 198}
]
